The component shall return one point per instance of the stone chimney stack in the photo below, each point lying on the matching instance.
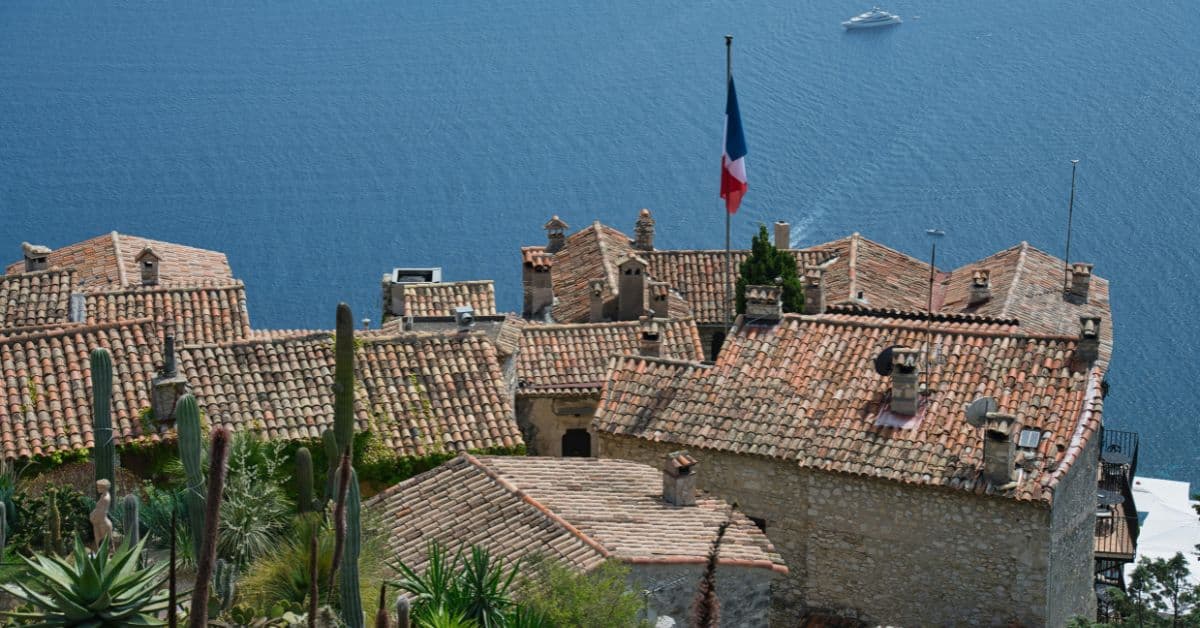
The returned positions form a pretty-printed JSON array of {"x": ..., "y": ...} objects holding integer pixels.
[
  {"x": 556, "y": 236},
  {"x": 814, "y": 290},
  {"x": 660, "y": 298},
  {"x": 981, "y": 287},
  {"x": 999, "y": 450},
  {"x": 643, "y": 232},
  {"x": 148, "y": 260},
  {"x": 783, "y": 235},
  {"x": 1081, "y": 279},
  {"x": 597, "y": 290},
  {"x": 37, "y": 257},
  {"x": 168, "y": 386},
  {"x": 536, "y": 282},
  {"x": 1088, "y": 347},
  {"x": 631, "y": 289},
  {"x": 650, "y": 336},
  {"x": 679, "y": 479},
  {"x": 764, "y": 304},
  {"x": 906, "y": 377}
]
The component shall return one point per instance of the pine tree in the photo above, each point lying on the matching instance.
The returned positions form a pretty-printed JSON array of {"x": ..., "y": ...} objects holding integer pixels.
[{"x": 763, "y": 267}]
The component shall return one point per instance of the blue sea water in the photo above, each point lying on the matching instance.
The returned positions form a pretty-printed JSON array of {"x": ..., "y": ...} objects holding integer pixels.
[{"x": 319, "y": 143}]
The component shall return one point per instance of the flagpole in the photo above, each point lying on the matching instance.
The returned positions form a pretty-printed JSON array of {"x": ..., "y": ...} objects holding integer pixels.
[{"x": 728, "y": 254}]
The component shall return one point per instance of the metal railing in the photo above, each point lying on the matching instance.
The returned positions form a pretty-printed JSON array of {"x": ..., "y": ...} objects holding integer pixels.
[
  {"x": 1116, "y": 537},
  {"x": 1117, "y": 447}
]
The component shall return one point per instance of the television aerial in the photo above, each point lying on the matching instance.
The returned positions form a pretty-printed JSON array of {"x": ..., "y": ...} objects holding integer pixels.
[{"x": 978, "y": 410}]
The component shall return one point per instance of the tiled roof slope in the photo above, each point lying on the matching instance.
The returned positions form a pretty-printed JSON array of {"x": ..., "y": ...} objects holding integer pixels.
[
  {"x": 421, "y": 392},
  {"x": 806, "y": 391},
  {"x": 440, "y": 299},
  {"x": 196, "y": 315},
  {"x": 576, "y": 510},
  {"x": 590, "y": 253},
  {"x": 573, "y": 359},
  {"x": 37, "y": 298},
  {"x": 699, "y": 275},
  {"x": 46, "y": 390},
  {"x": 885, "y": 277},
  {"x": 108, "y": 262}
]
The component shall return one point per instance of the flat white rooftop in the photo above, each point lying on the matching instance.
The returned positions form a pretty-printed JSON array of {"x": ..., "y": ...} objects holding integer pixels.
[{"x": 1170, "y": 523}]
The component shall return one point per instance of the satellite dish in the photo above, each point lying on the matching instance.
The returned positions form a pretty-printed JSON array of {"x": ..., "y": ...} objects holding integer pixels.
[
  {"x": 978, "y": 410},
  {"x": 883, "y": 361}
]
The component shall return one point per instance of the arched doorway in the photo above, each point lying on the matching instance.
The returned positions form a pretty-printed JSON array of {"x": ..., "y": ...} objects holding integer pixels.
[{"x": 576, "y": 443}]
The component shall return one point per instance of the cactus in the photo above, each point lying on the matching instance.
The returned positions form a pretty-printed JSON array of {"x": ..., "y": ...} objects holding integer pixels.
[
  {"x": 339, "y": 515},
  {"x": 217, "y": 467},
  {"x": 172, "y": 593},
  {"x": 312, "y": 580},
  {"x": 131, "y": 522},
  {"x": 223, "y": 583},
  {"x": 343, "y": 379},
  {"x": 3, "y": 529},
  {"x": 304, "y": 480},
  {"x": 403, "y": 608},
  {"x": 352, "y": 611},
  {"x": 103, "y": 452},
  {"x": 187, "y": 427},
  {"x": 382, "y": 619},
  {"x": 329, "y": 440},
  {"x": 54, "y": 526}
]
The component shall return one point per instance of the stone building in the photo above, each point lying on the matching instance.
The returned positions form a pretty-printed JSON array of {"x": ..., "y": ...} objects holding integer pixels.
[
  {"x": 845, "y": 434},
  {"x": 561, "y": 368},
  {"x": 582, "y": 512}
]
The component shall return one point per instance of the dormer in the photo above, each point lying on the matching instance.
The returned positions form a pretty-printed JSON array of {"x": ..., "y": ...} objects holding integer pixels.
[
  {"x": 37, "y": 257},
  {"x": 556, "y": 236},
  {"x": 147, "y": 261}
]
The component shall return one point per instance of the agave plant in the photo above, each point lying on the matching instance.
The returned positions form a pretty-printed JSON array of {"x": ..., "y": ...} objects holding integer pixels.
[
  {"x": 477, "y": 586},
  {"x": 99, "y": 590}
]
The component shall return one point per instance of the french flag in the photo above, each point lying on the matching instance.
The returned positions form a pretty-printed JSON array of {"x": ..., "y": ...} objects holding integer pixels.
[{"x": 733, "y": 162}]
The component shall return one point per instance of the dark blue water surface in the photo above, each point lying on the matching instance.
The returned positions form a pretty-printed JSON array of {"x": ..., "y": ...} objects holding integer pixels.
[{"x": 321, "y": 143}]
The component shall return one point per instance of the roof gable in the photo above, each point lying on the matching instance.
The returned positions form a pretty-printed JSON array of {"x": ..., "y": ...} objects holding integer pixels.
[{"x": 110, "y": 262}]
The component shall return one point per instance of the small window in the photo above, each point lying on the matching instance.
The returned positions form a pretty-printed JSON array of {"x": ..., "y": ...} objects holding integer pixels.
[
  {"x": 761, "y": 523},
  {"x": 1030, "y": 438}
]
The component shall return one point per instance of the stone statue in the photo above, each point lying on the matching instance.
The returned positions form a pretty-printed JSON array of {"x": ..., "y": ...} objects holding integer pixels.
[{"x": 101, "y": 526}]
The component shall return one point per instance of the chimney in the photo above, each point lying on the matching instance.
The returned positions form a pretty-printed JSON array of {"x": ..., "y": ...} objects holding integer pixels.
[
  {"x": 679, "y": 479},
  {"x": 783, "y": 235},
  {"x": 37, "y": 257},
  {"x": 644, "y": 232},
  {"x": 536, "y": 281},
  {"x": 660, "y": 299},
  {"x": 555, "y": 234},
  {"x": 999, "y": 450},
  {"x": 1081, "y": 279},
  {"x": 650, "y": 337},
  {"x": 764, "y": 304},
  {"x": 631, "y": 291},
  {"x": 981, "y": 287},
  {"x": 596, "y": 292},
  {"x": 814, "y": 290},
  {"x": 78, "y": 312},
  {"x": 168, "y": 386},
  {"x": 147, "y": 260},
  {"x": 464, "y": 318},
  {"x": 1088, "y": 347},
  {"x": 906, "y": 375}
]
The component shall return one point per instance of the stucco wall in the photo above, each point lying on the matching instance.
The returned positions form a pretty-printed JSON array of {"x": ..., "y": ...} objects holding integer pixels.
[
  {"x": 744, "y": 593},
  {"x": 887, "y": 552},
  {"x": 544, "y": 420}
]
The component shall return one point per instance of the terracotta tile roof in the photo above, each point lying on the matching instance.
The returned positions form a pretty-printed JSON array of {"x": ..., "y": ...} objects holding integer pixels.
[
  {"x": 593, "y": 252},
  {"x": 573, "y": 359},
  {"x": 195, "y": 314},
  {"x": 885, "y": 277},
  {"x": 805, "y": 390},
  {"x": 421, "y": 392},
  {"x": 699, "y": 275},
  {"x": 108, "y": 261},
  {"x": 37, "y": 298},
  {"x": 46, "y": 390},
  {"x": 579, "y": 511},
  {"x": 440, "y": 299}
]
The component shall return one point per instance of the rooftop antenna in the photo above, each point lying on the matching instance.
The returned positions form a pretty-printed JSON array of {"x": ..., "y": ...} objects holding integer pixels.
[
  {"x": 1070, "y": 213},
  {"x": 935, "y": 233}
]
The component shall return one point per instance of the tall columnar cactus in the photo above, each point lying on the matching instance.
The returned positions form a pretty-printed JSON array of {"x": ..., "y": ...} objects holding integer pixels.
[
  {"x": 313, "y": 571},
  {"x": 304, "y": 480},
  {"x": 131, "y": 521},
  {"x": 187, "y": 427},
  {"x": 53, "y": 526},
  {"x": 223, "y": 584},
  {"x": 343, "y": 379},
  {"x": 344, "y": 477},
  {"x": 403, "y": 608},
  {"x": 206, "y": 559},
  {"x": 382, "y": 618},
  {"x": 104, "y": 451},
  {"x": 352, "y": 611},
  {"x": 334, "y": 457},
  {"x": 3, "y": 529}
]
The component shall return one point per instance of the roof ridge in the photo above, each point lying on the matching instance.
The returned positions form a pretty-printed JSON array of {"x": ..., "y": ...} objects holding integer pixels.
[
  {"x": 233, "y": 284},
  {"x": 658, "y": 359},
  {"x": 35, "y": 273},
  {"x": 936, "y": 328},
  {"x": 609, "y": 271},
  {"x": 1012, "y": 285},
  {"x": 51, "y": 332},
  {"x": 916, "y": 314},
  {"x": 386, "y": 337},
  {"x": 603, "y": 324},
  {"x": 852, "y": 265},
  {"x": 1093, "y": 397},
  {"x": 116, "y": 242},
  {"x": 528, "y": 499}
]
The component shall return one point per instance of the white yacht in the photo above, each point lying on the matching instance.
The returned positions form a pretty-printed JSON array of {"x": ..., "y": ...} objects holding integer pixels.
[{"x": 871, "y": 19}]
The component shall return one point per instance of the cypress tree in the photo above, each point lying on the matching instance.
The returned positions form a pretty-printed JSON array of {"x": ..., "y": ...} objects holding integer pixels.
[{"x": 766, "y": 264}]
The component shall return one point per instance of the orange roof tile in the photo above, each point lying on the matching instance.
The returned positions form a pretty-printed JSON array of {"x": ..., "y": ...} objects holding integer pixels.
[
  {"x": 37, "y": 298},
  {"x": 194, "y": 314},
  {"x": 594, "y": 252},
  {"x": 440, "y": 299}
]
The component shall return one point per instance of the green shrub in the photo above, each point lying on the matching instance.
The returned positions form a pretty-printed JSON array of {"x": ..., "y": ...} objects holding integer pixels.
[
  {"x": 34, "y": 513},
  {"x": 763, "y": 266},
  {"x": 255, "y": 511},
  {"x": 569, "y": 599}
]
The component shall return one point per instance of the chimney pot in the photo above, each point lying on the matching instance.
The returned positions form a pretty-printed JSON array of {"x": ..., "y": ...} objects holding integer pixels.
[
  {"x": 1087, "y": 348},
  {"x": 644, "y": 232},
  {"x": 981, "y": 287},
  {"x": 631, "y": 289},
  {"x": 536, "y": 280},
  {"x": 783, "y": 235},
  {"x": 464, "y": 317},
  {"x": 597, "y": 289},
  {"x": 37, "y": 257},
  {"x": 999, "y": 449},
  {"x": 169, "y": 386},
  {"x": 814, "y": 290},
  {"x": 764, "y": 304},
  {"x": 906, "y": 377},
  {"x": 650, "y": 337},
  {"x": 1081, "y": 278},
  {"x": 555, "y": 234},
  {"x": 679, "y": 479}
]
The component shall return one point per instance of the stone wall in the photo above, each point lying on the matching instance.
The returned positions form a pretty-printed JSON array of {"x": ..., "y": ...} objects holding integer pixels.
[
  {"x": 744, "y": 593},
  {"x": 893, "y": 553},
  {"x": 544, "y": 420},
  {"x": 1073, "y": 540}
]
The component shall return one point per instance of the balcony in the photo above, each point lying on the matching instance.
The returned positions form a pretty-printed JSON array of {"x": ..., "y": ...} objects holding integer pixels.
[{"x": 1116, "y": 512}]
